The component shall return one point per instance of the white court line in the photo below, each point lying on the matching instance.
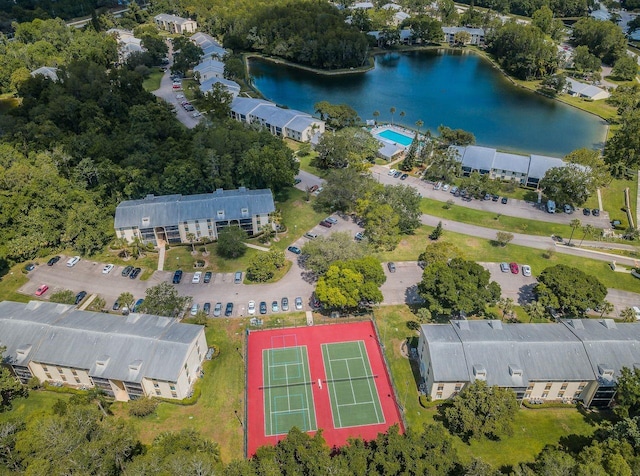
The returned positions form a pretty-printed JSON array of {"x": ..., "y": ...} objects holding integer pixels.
[
  {"x": 330, "y": 371},
  {"x": 375, "y": 407}
]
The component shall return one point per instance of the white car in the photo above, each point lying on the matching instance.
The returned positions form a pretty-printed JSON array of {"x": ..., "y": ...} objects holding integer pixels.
[
  {"x": 194, "y": 309},
  {"x": 196, "y": 114},
  {"x": 251, "y": 308},
  {"x": 73, "y": 261},
  {"x": 392, "y": 172},
  {"x": 179, "y": 96},
  {"x": 107, "y": 269},
  {"x": 445, "y": 187},
  {"x": 196, "y": 277},
  {"x": 526, "y": 270},
  {"x": 298, "y": 304}
]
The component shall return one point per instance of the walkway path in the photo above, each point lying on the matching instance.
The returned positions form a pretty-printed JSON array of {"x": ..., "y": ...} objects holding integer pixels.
[
  {"x": 161, "y": 255},
  {"x": 256, "y": 247}
]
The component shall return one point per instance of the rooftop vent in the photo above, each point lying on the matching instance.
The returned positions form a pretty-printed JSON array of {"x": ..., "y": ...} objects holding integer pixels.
[
  {"x": 608, "y": 323},
  {"x": 479, "y": 372},
  {"x": 462, "y": 325},
  {"x": 515, "y": 371},
  {"x": 23, "y": 350},
  {"x": 605, "y": 370},
  {"x": 135, "y": 365},
  {"x": 242, "y": 189},
  {"x": 151, "y": 196},
  {"x": 495, "y": 324},
  {"x": 146, "y": 221},
  {"x": 576, "y": 323},
  {"x": 102, "y": 361},
  {"x": 219, "y": 191}
]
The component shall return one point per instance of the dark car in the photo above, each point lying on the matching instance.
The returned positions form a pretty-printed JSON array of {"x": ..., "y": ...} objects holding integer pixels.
[
  {"x": 229, "y": 309},
  {"x": 397, "y": 174},
  {"x": 207, "y": 277},
  {"x": 116, "y": 305},
  {"x": 295, "y": 250},
  {"x": 263, "y": 307},
  {"x": 206, "y": 308},
  {"x": 134, "y": 274},
  {"x": 457, "y": 193},
  {"x": 80, "y": 296},
  {"x": 284, "y": 304},
  {"x": 29, "y": 267},
  {"x": 127, "y": 271},
  {"x": 326, "y": 224},
  {"x": 392, "y": 266},
  {"x": 504, "y": 200},
  {"x": 177, "y": 277},
  {"x": 586, "y": 211},
  {"x": 487, "y": 196},
  {"x": 315, "y": 302},
  {"x": 136, "y": 306},
  {"x": 404, "y": 176},
  {"x": 495, "y": 198},
  {"x": 595, "y": 212},
  {"x": 53, "y": 260},
  {"x": 467, "y": 198}
]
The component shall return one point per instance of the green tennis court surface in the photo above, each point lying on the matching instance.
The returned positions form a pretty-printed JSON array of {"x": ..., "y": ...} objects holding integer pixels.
[
  {"x": 351, "y": 385},
  {"x": 288, "y": 397}
]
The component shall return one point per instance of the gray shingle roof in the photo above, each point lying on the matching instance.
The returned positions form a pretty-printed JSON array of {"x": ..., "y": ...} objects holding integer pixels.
[
  {"x": 172, "y": 18},
  {"x": 456, "y": 29},
  {"x": 446, "y": 353},
  {"x": 511, "y": 162},
  {"x": 539, "y": 165},
  {"x": 272, "y": 114},
  {"x": 210, "y": 65},
  {"x": 174, "y": 209},
  {"x": 129, "y": 348},
  {"x": 477, "y": 157},
  {"x": 244, "y": 106},
  {"x": 231, "y": 86}
]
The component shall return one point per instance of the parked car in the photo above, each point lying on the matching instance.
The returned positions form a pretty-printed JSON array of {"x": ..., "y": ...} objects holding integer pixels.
[
  {"x": 551, "y": 206},
  {"x": 311, "y": 235},
  {"x": 127, "y": 271},
  {"x": 43, "y": 288},
  {"x": 595, "y": 212},
  {"x": 568, "y": 209},
  {"x": 526, "y": 270},
  {"x": 438, "y": 186},
  {"x": 445, "y": 187},
  {"x": 514, "y": 268},
  {"x": 586, "y": 211},
  {"x": 294, "y": 250},
  {"x": 274, "y": 306},
  {"x": 398, "y": 174},
  {"x": 315, "y": 302},
  {"x": 53, "y": 260},
  {"x": 196, "y": 114},
  {"x": 107, "y": 269},
  {"x": 116, "y": 305},
  {"x": 179, "y": 96},
  {"x": 207, "y": 277},
  {"x": 217, "y": 309},
  {"x": 196, "y": 277},
  {"x": 80, "y": 296},
  {"x": 137, "y": 305},
  {"x": 487, "y": 196},
  {"x": 71, "y": 262},
  {"x": 404, "y": 176},
  {"x": 134, "y": 274},
  {"x": 177, "y": 276},
  {"x": 298, "y": 303},
  {"x": 313, "y": 188},
  {"x": 263, "y": 307},
  {"x": 332, "y": 220},
  {"x": 392, "y": 266},
  {"x": 392, "y": 172},
  {"x": 359, "y": 236},
  {"x": 504, "y": 267},
  {"x": 237, "y": 278},
  {"x": 194, "y": 309},
  {"x": 206, "y": 308},
  {"x": 29, "y": 267},
  {"x": 326, "y": 224},
  {"x": 228, "y": 311},
  {"x": 251, "y": 308},
  {"x": 284, "y": 304},
  {"x": 454, "y": 189},
  {"x": 504, "y": 200},
  {"x": 495, "y": 198}
]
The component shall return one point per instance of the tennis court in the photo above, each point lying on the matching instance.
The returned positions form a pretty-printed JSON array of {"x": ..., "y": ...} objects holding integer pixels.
[
  {"x": 288, "y": 396},
  {"x": 351, "y": 385}
]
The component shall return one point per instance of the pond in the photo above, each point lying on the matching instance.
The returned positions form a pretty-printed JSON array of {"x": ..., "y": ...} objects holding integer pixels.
[{"x": 457, "y": 89}]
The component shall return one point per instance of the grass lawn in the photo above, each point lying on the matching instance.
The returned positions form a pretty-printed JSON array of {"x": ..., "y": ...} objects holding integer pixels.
[
  {"x": 181, "y": 257},
  {"x": 308, "y": 164},
  {"x": 35, "y": 404},
  {"x": 10, "y": 283},
  {"x": 533, "y": 429},
  {"x": 298, "y": 216},
  {"x": 153, "y": 81},
  {"x": 488, "y": 219},
  {"x": 613, "y": 199},
  {"x": 478, "y": 249}
]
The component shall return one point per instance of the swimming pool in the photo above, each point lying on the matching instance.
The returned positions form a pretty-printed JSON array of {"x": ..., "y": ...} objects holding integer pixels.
[{"x": 394, "y": 136}]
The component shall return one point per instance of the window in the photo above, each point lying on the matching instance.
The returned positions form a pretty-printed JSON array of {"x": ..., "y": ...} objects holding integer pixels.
[
  {"x": 440, "y": 387},
  {"x": 158, "y": 392},
  {"x": 458, "y": 387},
  {"x": 156, "y": 385},
  {"x": 439, "y": 395},
  {"x": 174, "y": 394},
  {"x": 48, "y": 375},
  {"x": 576, "y": 395},
  {"x": 545, "y": 394},
  {"x": 172, "y": 387},
  {"x": 64, "y": 378},
  {"x": 44, "y": 367},
  {"x": 547, "y": 386},
  {"x": 581, "y": 386},
  {"x": 73, "y": 372},
  {"x": 59, "y": 369},
  {"x": 77, "y": 380},
  {"x": 527, "y": 394},
  {"x": 530, "y": 387},
  {"x": 564, "y": 386},
  {"x": 560, "y": 394}
]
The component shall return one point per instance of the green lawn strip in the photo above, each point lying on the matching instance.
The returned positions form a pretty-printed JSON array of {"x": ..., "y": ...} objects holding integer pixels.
[
  {"x": 479, "y": 249},
  {"x": 222, "y": 394},
  {"x": 298, "y": 216},
  {"x": 181, "y": 257},
  {"x": 148, "y": 261},
  {"x": 307, "y": 163},
  {"x": 152, "y": 82},
  {"x": 492, "y": 220},
  {"x": 10, "y": 283},
  {"x": 613, "y": 199},
  {"x": 38, "y": 402},
  {"x": 533, "y": 429}
]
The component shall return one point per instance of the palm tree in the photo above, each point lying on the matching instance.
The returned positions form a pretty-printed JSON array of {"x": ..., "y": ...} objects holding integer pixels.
[
  {"x": 628, "y": 315},
  {"x": 402, "y": 114},
  {"x": 588, "y": 230},
  {"x": 393, "y": 111},
  {"x": 419, "y": 124},
  {"x": 192, "y": 238},
  {"x": 574, "y": 224},
  {"x": 606, "y": 308},
  {"x": 376, "y": 114}
]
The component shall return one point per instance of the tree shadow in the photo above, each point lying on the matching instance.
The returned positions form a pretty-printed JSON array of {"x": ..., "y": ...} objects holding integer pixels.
[
  {"x": 575, "y": 443},
  {"x": 411, "y": 296},
  {"x": 525, "y": 294},
  {"x": 309, "y": 276}
]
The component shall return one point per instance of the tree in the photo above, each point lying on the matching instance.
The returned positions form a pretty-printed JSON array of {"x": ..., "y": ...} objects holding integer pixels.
[
  {"x": 606, "y": 308},
  {"x": 554, "y": 84},
  {"x": 10, "y": 387},
  {"x": 462, "y": 38},
  {"x": 348, "y": 147},
  {"x": 126, "y": 299},
  {"x": 628, "y": 393},
  {"x": 455, "y": 136},
  {"x": 217, "y": 101},
  {"x": 231, "y": 242},
  {"x": 574, "y": 224},
  {"x": 322, "y": 252},
  {"x": 625, "y": 68},
  {"x": 481, "y": 411},
  {"x": 440, "y": 252},
  {"x": 621, "y": 152},
  {"x": 444, "y": 165},
  {"x": 503, "y": 238},
  {"x": 163, "y": 300},
  {"x": 381, "y": 224},
  {"x": 191, "y": 238},
  {"x": 265, "y": 265},
  {"x": 544, "y": 19},
  {"x": 351, "y": 284},
  {"x": 587, "y": 230},
  {"x": 603, "y": 38},
  {"x": 337, "y": 116},
  {"x": 536, "y": 310},
  {"x": 628, "y": 315},
  {"x": 392, "y": 111},
  {"x": 425, "y": 29},
  {"x": 343, "y": 188},
  {"x": 569, "y": 289},
  {"x": 185, "y": 55},
  {"x": 405, "y": 202},
  {"x": 584, "y": 61},
  {"x": 598, "y": 169},
  {"x": 63, "y": 297},
  {"x": 458, "y": 285},
  {"x": 411, "y": 156},
  {"x": 571, "y": 184},
  {"x": 506, "y": 306},
  {"x": 437, "y": 232}
]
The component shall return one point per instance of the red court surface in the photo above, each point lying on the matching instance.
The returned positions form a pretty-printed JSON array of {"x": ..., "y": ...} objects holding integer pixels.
[{"x": 313, "y": 337}]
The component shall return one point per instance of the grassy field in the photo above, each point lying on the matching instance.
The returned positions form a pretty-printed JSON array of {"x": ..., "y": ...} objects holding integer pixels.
[
  {"x": 613, "y": 199},
  {"x": 152, "y": 82},
  {"x": 298, "y": 216},
  {"x": 35, "y": 404},
  {"x": 478, "y": 249},
  {"x": 533, "y": 429}
]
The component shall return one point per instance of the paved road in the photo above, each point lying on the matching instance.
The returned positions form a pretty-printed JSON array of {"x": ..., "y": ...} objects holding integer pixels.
[
  {"x": 169, "y": 94},
  {"x": 515, "y": 208}
]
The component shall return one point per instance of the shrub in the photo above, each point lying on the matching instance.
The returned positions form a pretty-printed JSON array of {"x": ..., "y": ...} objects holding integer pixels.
[
  {"x": 142, "y": 407},
  {"x": 63, "y": 297}
]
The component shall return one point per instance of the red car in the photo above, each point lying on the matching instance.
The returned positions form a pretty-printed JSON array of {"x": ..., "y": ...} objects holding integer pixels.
[
  {"x": 42, "y": 289},
  {"x": 514, "y": 268},
  {"x": 325, "y": 223}
]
